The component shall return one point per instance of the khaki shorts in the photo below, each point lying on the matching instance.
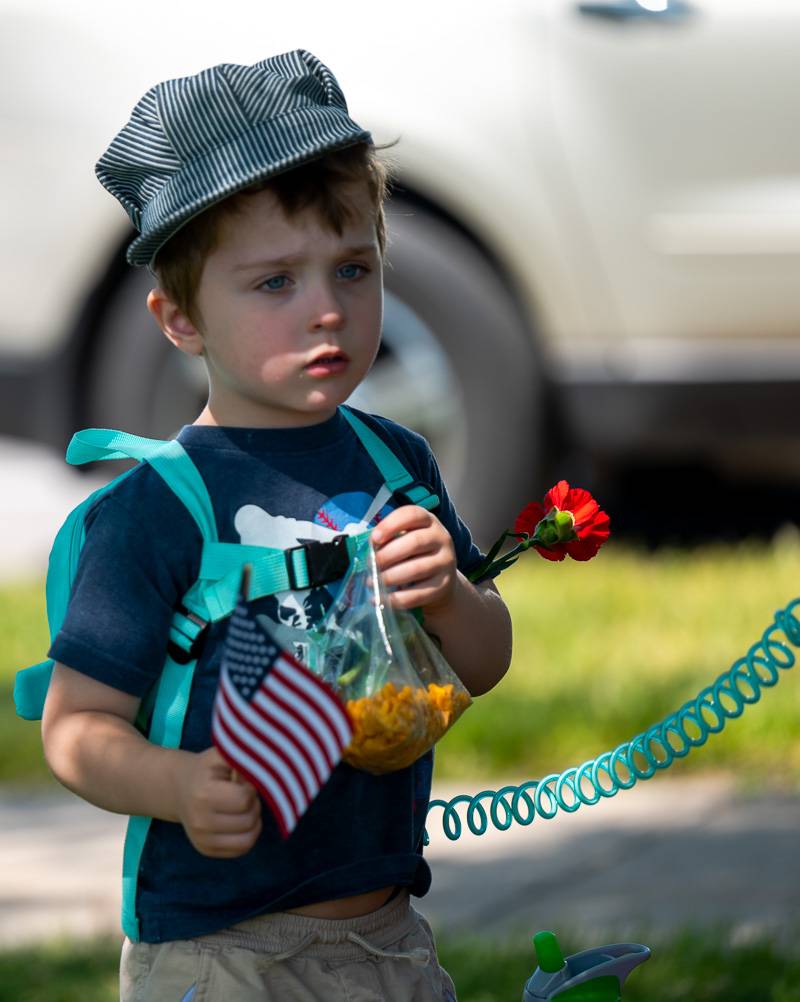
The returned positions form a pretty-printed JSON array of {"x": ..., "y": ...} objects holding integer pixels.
[{"x": 387, "y": 955}]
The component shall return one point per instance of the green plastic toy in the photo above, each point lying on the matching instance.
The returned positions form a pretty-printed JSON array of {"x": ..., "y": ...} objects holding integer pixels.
[{"x": 590, "y": 976}]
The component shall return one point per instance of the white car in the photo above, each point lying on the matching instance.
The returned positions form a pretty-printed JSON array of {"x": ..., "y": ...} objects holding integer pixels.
[{"x": 595, "y": 240}]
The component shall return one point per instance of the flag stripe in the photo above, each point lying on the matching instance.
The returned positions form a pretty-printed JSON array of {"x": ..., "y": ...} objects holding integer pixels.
[
  {"x": 274, "y": 720},
  {"x": 268, "y": 702},
  {"x": 287, "y": 695},
  {"x": 265, "y": 782},
  {"x": 243, "y": 759},
  {"x": 256, "y": 745},
  {"x": 284, "y": 760},
  {"x": 327, "y": 703},
  {"x": 276, "y": 723},
  {"x": 283, "y": 813},
  {"x": 240, "y": 759},
  {"x": 293, "y": 715},
  {"x": 266, "y": 729}
]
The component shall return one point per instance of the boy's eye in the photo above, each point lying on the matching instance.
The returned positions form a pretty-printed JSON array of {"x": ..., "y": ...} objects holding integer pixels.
[
  {"x": 352, "y": 270},
  {"x": 274, "y": 284}
]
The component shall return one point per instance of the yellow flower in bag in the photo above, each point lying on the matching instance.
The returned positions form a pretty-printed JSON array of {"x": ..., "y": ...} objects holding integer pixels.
[
  {"x": 400, "y": 692},
  {"x": 393, "y": 727}
]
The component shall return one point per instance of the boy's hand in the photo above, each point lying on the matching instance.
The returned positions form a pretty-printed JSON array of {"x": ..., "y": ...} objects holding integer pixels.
[
  {"x": 220, "y": 814},
  {"x": 415, "y": 552}
]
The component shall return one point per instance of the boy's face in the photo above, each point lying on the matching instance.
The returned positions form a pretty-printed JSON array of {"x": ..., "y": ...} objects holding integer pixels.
[{"x": 290, "y": 314}]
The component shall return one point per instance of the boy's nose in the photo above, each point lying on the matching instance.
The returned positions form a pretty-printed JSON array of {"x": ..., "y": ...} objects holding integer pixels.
[
  {"x": 330, "y": 320},
  {"x": 326, "y": 311}
]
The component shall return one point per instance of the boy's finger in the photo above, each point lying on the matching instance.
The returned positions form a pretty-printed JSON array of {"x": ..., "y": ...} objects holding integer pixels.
[
  {"x": 402, "y": 519},
  {"x": 238, "y": 779},
  {"x": 222, "y": 769},
  {"x": 234, "y": 798},
  {"x": 403, "y": 548},
  {"x": 230, "y": 846},
  {"x": 414, "y": 569},
  {"x": 224, "y": 823},
  {"x": 219, "y": 766},
  {"x": 401, "y": 567}
]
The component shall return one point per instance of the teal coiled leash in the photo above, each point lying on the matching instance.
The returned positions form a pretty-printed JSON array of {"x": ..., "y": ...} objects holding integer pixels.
[{"x": 658, "y": 746}]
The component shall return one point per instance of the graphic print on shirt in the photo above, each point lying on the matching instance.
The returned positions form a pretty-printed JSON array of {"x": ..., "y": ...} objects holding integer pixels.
[{"x": 293, "y": 612}]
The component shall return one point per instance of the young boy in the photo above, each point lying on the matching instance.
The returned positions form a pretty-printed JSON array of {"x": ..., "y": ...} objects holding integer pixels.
[{"x": 259, "y": 208}]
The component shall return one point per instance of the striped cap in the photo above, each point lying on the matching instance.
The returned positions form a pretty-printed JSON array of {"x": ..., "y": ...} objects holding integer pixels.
[{"x": 193, "y": 141}]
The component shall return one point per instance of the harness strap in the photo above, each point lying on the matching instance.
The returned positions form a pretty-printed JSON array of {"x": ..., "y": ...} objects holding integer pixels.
[
  {"x": 397, "y": 477},
  {"x": 168, "y": 458},
  {"x": 171, "y": 698},
  {"x": 272, "y": 570},
  {"x": 93, "y": 444},
  {"x": 166, "y": 726}
]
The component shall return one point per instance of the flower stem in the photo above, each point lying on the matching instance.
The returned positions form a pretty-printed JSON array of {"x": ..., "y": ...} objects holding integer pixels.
[{"x": 492, "y": 567}]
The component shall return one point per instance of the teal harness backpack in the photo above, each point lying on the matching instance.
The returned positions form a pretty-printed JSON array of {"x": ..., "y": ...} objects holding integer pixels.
[{"x": 210, "y": 599}]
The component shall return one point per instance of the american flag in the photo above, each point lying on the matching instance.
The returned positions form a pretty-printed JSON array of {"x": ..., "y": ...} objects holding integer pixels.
[{"x": 274, "y": 721}]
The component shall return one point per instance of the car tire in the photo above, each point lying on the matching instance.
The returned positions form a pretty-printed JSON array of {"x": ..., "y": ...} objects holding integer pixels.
[{"x": 494, "y": 452}]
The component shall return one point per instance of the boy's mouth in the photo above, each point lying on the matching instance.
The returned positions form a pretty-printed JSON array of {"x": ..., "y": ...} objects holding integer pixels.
[{"x": 328, "y": 363}]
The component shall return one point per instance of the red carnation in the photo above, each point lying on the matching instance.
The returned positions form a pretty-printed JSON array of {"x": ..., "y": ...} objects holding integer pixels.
[{"x": 569, "y": 522}]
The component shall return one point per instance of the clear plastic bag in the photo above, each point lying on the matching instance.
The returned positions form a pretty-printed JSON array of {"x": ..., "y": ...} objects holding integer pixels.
[{"x": 401, "y": 693}]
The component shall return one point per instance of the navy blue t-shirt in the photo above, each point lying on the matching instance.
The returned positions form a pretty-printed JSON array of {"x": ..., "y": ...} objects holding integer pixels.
[{"x": 269, "y": 487}]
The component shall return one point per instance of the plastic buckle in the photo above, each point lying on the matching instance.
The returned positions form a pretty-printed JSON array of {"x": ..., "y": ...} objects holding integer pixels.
[
  {"x": 325, "y": 562},
  {"x": 417, "y": 485},
  {"x": 178, "y": 654}
]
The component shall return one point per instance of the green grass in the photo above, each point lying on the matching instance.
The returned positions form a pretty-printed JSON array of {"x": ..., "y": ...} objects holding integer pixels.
[
  {"x": 684, "y": 967},
  {"x": 605, "y": 649},
  {"x": 602, "y": 650},
  {"x": 61, "y": 972},
  {"x": 24, "y": 640}
]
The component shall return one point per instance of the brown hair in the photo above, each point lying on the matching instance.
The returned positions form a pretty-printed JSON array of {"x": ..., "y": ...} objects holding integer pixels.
[{"x": 317, "y": 185}]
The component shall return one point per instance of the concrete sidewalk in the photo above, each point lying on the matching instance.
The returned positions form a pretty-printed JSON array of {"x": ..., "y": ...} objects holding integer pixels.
[
  {"x": 664, "y": 855},
  {"x": 667, "y": 854}
]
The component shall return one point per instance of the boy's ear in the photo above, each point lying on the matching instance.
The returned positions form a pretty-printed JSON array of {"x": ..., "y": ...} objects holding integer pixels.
[{"x": 177, "y": 327}]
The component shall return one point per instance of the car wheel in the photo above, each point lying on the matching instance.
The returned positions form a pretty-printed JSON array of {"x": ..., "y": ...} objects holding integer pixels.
[
  {"x": 465, "y": 369},
  {"x": 456, "y": 364}
]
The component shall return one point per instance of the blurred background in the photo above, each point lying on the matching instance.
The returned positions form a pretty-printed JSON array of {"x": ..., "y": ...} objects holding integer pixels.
[
  {"x": 596, "y": 235},
  {"x": 595, "y": 241}
]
